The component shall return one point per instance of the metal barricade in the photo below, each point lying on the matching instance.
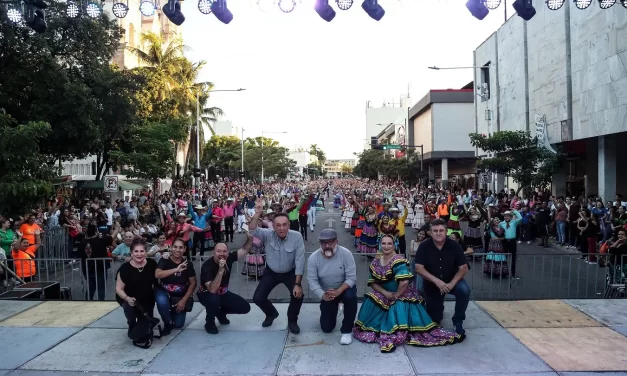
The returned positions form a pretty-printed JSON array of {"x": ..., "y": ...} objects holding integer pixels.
[{"x": 541, "y": 276}]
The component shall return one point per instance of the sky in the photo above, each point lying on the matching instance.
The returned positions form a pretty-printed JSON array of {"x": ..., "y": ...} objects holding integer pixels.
[{"x": 312, "y": 78}]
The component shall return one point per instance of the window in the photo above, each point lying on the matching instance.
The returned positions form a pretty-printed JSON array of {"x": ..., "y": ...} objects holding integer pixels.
[{"x": 484, "y": 89}]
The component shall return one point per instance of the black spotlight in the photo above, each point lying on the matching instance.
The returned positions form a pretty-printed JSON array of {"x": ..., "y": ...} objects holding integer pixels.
[
  {"x": 374, "y": 10},
  {"x": 35, "y": 15},
  {"x": 525, "y": 9},
  {"x": 172, "y": 10},
  {"x": 324, "y": 10},
  {"x": 477, "y": 8},
  {"x": 221, "y": 11}
]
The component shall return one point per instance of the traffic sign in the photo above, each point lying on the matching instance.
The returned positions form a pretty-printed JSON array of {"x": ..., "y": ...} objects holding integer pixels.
[
  {"x": 111, "y": 184},
  {"x": 392, "y": 147}
]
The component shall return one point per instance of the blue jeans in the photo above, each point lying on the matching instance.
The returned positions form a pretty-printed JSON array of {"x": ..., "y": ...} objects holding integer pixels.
[
  {"x": 328, "y": 312},
  {"x": 561, "y": 232},
  {"x": 166, "y": 311},
  {"x": 222, "y": 305},
  {"x": 435, "y": 303}
]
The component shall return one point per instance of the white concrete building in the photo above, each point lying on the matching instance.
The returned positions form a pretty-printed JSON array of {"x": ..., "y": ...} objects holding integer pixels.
[
  {"x": 441, "y": 122},
  {"x": 333, "y": 167},
  {"x": 225, "y": 128},
  {"x": 377, "y": 118},
  {"x": 570, "y": 66}
]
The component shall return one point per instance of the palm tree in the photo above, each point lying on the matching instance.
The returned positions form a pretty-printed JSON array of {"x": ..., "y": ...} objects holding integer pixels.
[{"x": 315, "y": 150}]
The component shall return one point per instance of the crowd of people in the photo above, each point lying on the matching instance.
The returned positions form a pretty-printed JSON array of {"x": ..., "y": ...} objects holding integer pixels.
[{"x": 156, "y": 238}]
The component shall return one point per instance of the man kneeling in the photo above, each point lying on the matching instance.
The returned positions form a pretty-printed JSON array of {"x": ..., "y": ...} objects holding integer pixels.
[
  {"x": 331, "y": 274},
  {"x": 214, "y": 278}
]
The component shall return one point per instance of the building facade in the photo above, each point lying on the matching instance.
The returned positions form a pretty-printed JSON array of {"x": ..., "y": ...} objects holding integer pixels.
[
  {"x": 334, "y": 167},
  {"x": 441, "y": 122},
  {"x": 569, "y": 67},
  {"x": 378, "y": 118},
  {"x": 225, "y": 128}
]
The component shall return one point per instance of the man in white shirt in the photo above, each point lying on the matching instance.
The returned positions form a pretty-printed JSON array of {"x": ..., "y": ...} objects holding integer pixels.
[{"x": 331, "y": 274}]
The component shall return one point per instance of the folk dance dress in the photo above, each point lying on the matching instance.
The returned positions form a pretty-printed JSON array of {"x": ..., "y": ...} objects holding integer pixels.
[
  {"x": 472, "y": 236},
  {"x": 453, "y": 222},
  {"x": 419, "y": 217},
  {"x": 403, "y": 321},
  {"x": 495, "y": 264},
  {"x": 369, "y": 239}
]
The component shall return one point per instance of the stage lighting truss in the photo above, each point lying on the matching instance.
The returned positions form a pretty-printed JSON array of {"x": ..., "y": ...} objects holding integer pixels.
[
  {"x": 204, "y": 6},
  {"x": 492, "y": 4},
  {"x": 344, "y": 4},
  {"x": 554, "y": 4},
  {"x": 287, "y": 6}
]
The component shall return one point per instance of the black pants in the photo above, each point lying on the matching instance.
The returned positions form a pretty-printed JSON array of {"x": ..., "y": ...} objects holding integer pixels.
[
  {"x": 228, "y": 229},
  {"x": 222, "y": 305},
  {"x": 216, "y": 234},
  {"x": 294, "y": 225},
  {"x": 402, "y": 245},
  {"x": 525, "y": 232},
  {"x": 573, "y": 234},
  {"x": 510, "y": 246},
  {"x": 267, "y": 283},
  {"x": 328, "y": 312},
  {"x": 132, "y": 313},
  {"x": 302, "y": 221},
  {"x": 199, "y": 237}
]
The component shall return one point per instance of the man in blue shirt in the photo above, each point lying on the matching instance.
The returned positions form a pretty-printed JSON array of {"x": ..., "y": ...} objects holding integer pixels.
[
  {"x": 509, "y": 243},
  {"x": 201, "y": 220}
]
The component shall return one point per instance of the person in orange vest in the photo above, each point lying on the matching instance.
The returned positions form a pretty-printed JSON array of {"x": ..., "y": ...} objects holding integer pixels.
[
  {"x": 24, "y": 259},
  {"x": 443, "y": 210}
]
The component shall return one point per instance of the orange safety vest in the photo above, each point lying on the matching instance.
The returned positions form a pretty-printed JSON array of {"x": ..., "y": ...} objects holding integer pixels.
[
  {"x": 443, "y": 210},
  {"x": 24, "y": 262}
]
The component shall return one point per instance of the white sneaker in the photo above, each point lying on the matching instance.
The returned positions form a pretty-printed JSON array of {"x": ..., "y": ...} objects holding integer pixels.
[{"x": 346, "y": 339}]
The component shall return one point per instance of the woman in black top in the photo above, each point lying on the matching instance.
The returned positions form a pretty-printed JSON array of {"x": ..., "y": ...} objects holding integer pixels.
[
  {"x": 178, "y": 282},
  {"x": 589, "y": 230},
  {"x": 135, "y": 282}
]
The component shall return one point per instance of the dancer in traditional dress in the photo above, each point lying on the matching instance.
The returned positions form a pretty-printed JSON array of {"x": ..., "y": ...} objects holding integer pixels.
[
  {"x": 455, "y": 212},
  {"x": 369, "y": 239},
  {"x": 393, "y": 314},
  {"x": 419, "y": 216},
  {"x": 472, "y": 236},
  {"x": 495, "y": 261},
  {"x": 386, "y": 226}
]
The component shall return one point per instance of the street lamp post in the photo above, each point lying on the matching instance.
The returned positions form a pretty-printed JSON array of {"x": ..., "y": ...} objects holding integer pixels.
[
  {"x": 262, "y": 169},
  {"x": 198, "y": 127}
]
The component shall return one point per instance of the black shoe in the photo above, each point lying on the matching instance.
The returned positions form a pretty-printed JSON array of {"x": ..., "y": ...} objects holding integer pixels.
[
  {"x": 211, "y": 329},
  {"x": 293, "y": 327},
  {"x": 269, "y": 320},
  {"x": 223, "y": 320},
  {"x": 167, "y": 329}
]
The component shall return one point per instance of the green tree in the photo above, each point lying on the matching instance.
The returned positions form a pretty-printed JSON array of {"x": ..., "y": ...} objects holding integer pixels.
[
  {"x": 517, "y": 155},
  {"x": 275, "y": 157},
  {"x": 49, "y": 73},
  {"x": 152, "y": 154},
  {"x": 24, "y": 174},
  {"x": 369, "y": 164},
  {"x": 222, "y": 152}
]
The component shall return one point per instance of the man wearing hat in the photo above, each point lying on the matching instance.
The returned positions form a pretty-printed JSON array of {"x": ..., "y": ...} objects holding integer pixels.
[
  {"x": 331, "y": 273},
  {"x": 201, "y": 219},
  {"x": 509, "y": 243}
]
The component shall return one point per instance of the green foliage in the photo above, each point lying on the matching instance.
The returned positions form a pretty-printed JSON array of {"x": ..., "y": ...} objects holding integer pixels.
[
  {"x": 374, "y": 162},
  {"x": 518, "y": 156},
  {"x": 152, "y": 155},
  {"x": 24, "y": 175},
  {"x": 222, "y": 152},
  {"x": 320, "y": 155}
]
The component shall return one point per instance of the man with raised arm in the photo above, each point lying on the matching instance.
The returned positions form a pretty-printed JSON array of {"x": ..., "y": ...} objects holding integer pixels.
[{"x": 285, "y": 264}]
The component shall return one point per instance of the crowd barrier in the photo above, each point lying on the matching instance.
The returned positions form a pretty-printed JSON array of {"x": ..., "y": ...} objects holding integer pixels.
[{"x": 541, "y": 276}]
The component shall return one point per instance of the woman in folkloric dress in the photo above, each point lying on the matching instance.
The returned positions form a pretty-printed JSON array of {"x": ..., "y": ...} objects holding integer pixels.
[{"x": 419, "y": 216}]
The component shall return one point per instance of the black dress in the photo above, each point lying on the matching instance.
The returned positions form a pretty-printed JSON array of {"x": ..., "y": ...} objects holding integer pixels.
[{"x": 139, "y": 283}]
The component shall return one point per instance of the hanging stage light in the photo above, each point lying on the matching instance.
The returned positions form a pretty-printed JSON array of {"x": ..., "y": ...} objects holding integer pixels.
[
  {"x": 606, "y": 4},
  {"x": 147, "y": 8},
  {"x": 624, "y": 3},
  {"x": 120, "y": 10},
  {"x": 93, "y": 10},
  {"x": 35, "y": 15},
  {"x": 344, "y": 4},
  {"x": 172, "y": 10},
  {"x": 221, "y": 11},
  {"x": 477, "y": 8},
  {"x": 204, "y": 6},
  {"x": 14, "y": 15},
  {"x": 582, "y": 4},
  {"x": 324, "y": 10},
  {"x": 492, "y": 4},
  {"x": 374, "y": 10},
  {"x": 287, "y": 6},
  {"x": 554, "y": 4},
  {"x": 525, "y": 9},
  {"x": 72, "y": 9}
]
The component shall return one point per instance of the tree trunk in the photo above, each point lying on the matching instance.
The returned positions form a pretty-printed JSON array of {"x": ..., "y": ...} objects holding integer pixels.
[{"x": 102, "y": 165}]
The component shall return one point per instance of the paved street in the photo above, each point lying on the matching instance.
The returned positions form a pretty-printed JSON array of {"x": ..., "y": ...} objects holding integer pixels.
[{"x": 545, "y": 272}]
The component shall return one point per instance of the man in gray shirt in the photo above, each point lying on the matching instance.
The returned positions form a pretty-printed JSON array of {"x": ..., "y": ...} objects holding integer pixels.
[
  {"x": 285, "y": 263},
  {"x": 331, "y": 273}
]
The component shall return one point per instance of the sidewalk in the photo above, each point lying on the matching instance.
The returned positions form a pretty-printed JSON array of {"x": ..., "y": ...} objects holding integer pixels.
[{"x": 525, "y": 338}]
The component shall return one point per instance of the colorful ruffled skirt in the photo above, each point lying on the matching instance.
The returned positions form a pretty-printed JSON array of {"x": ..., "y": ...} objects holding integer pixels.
[
  {"x": 404, "y": 321},
  {"x": 369, "y": 239}
]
